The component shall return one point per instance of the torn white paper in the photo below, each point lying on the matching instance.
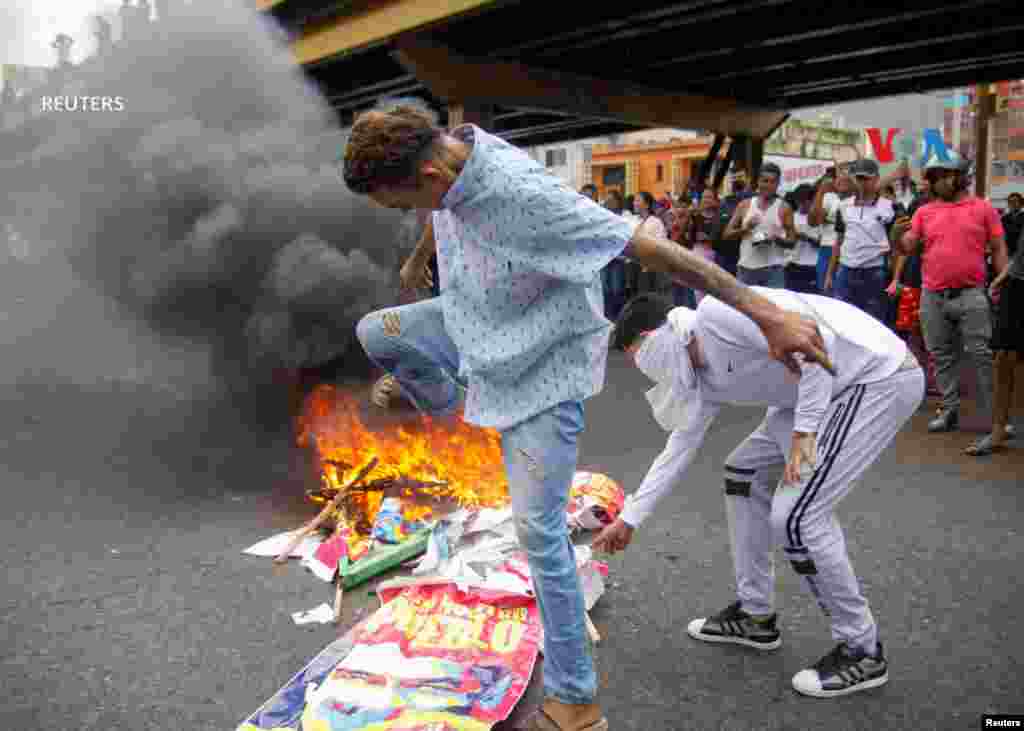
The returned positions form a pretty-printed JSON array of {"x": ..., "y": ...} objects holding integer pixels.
[
  {"x": 323, "y": 614},
  {"x": 272, "y": 547}
]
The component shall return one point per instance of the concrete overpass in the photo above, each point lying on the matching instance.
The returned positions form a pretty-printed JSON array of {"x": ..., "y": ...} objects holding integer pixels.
[{"x": 735, "y": 67}]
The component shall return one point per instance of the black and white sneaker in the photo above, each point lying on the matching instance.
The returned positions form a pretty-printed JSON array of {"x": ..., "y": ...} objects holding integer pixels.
[
  {"x": 843, "y": 671},
  {"x": 736, "y": 627}
]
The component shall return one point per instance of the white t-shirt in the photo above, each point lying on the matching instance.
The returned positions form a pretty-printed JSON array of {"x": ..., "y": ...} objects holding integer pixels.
[
  {"x": 831, "y": 203},
  {"x": 759, "y": 256},
  {"x": 805, "y": 253},
  {"x": 866, "y": 238}
]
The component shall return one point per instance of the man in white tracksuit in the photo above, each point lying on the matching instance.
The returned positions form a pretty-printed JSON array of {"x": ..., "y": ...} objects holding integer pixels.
[{"x": 822, "y": 431}]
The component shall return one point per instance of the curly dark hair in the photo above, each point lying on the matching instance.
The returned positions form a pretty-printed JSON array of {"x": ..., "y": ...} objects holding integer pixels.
[{"x": 386, "y": 146}]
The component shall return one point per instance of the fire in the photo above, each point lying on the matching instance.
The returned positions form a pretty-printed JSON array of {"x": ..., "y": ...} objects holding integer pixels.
[{"x": 451, "y": 460}]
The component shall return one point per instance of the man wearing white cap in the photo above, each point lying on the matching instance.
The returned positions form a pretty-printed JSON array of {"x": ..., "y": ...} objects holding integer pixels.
[{"x": 821, "y": 431}]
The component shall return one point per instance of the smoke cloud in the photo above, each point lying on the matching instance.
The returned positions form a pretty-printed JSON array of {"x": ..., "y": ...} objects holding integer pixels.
[{"x": 200, "y": 234}]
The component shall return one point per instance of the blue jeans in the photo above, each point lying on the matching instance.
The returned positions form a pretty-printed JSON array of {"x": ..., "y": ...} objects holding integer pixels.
[
  {"x": 764, "y": 277},
  {"x": 801, "y": 279},
  {"x": 540, "y": 454},
  {"x": 824, "y": 257},
  {"x": 864, "y": 288},
  {"x": 613, "y": 278}
]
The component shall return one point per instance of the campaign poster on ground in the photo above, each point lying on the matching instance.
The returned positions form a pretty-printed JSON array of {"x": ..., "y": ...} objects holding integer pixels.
[{"x": 434, "y": 658}]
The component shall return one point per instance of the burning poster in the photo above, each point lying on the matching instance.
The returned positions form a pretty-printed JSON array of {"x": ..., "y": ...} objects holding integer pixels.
[
  {"x": 433, "y": 658},
  {"x": 384, "y": 486},
  {"x": 595, "y": 500},
  {"x": 426, "y": 462}
]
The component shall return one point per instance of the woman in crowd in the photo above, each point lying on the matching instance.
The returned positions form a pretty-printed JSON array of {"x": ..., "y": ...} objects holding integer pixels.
[
  {"x": 650, "y": 224},
  {"x": 701, "y": 233},
  {"x": 1007, "y": 290},
  {"x": 801, "y": 272}
]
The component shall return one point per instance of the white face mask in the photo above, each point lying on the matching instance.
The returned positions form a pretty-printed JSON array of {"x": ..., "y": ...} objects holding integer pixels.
[
  {"x": 657, "y": 356},
  {"x": 664, "y": 358}
]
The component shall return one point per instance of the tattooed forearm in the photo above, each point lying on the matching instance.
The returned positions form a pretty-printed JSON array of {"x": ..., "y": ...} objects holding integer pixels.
[{"x": 693, "y": 270}]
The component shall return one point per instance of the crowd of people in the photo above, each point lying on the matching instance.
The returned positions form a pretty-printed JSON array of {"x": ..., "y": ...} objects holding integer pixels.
[
  {"x": 517, "y": 342},
  {"x": 849, "y": 236}
]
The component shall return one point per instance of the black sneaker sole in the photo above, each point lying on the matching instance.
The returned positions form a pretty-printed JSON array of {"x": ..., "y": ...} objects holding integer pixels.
[
  {"x": 865, "y": 685},
  {"x": 732, "y": 639}
]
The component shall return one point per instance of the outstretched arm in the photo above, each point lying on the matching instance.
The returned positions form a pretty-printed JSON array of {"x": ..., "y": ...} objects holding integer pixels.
[
  {"x": 818, "y": 214},
  {"x": 664, "y": 474},
  {"x": 789, "y": 225}
]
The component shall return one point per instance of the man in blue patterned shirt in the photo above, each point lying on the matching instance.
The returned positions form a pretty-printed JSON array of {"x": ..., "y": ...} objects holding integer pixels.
[{"x": 518, "y": 334}]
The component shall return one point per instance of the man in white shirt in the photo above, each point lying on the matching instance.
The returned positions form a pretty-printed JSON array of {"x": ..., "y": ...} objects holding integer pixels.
[
  {"x": 764, "y": 225},
  {"x": 823, "y": 431},
  {"x": 859, "y": 272},
  {"x": 832, "y": 190}
]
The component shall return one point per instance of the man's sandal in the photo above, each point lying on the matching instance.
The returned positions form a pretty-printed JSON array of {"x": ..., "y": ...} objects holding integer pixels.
[
  {"x": 984, "y": 447},
  {"x": 541, "y": 721}
]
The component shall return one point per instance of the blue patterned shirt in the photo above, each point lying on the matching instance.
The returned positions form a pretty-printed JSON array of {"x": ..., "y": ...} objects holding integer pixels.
[{"x": 519, "y": 259}]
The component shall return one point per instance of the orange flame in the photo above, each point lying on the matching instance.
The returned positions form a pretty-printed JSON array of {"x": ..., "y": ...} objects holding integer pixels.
[{"x": 462, "y": 462}]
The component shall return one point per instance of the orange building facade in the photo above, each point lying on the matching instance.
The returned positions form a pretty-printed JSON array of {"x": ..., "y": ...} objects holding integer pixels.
[{"x": 655, "y": 168}]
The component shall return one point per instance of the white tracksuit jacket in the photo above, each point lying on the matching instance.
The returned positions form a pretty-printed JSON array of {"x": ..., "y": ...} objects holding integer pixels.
[{"x": 740, "y": 371}]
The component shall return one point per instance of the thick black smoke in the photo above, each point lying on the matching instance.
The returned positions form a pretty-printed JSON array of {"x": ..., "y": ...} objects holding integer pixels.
[{"x": 209, "y": 208}]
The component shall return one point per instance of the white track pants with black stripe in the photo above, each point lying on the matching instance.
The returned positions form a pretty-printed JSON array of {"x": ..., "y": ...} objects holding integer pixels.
[{"x": 859, "y": 424}]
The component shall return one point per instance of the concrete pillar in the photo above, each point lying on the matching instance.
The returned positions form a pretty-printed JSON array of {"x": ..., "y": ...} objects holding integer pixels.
[
  {"x": 986, "y": 102},
  {"x": 756, "y": 154},
  {"x": 749, "y": 156},
  {"x": 632, "y": 177}
]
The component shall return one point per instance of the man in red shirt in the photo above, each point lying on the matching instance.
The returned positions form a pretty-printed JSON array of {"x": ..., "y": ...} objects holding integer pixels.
[{"x": 955, "y": 228}]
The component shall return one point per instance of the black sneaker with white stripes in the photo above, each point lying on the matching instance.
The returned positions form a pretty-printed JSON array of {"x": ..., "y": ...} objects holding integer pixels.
[
  {"x": 736, "y": 627},
  {"x": 843, "y": 671}
]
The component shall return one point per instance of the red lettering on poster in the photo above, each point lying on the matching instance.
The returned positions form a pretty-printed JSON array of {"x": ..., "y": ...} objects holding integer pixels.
[{"x": 883, "y": 151}]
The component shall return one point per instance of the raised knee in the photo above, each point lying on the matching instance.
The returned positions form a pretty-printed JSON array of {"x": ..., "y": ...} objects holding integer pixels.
[
  {"x": 736, "y": 485},
  {"x": 374, "y": 335},
  {"x": 738, "y": 480},
  {"x": 365, "y": 328}
]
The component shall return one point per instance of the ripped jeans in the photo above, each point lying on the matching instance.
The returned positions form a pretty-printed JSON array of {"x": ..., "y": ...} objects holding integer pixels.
[{"x": 540, "y": 453}]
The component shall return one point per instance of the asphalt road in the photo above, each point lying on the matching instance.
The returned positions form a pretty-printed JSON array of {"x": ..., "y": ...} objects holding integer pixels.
[{"x": 128, "y": 603}]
